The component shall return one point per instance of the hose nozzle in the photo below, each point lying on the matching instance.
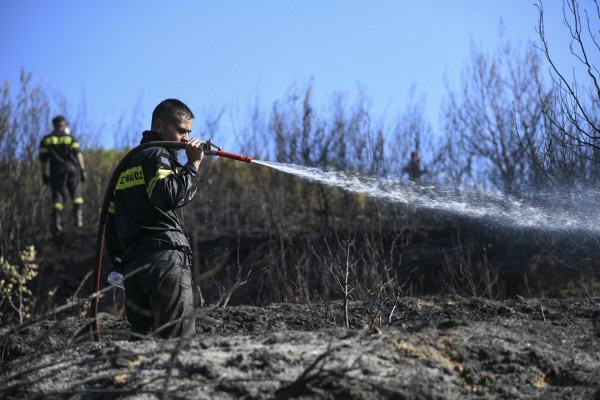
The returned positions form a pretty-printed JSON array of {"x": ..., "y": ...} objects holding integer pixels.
[{"x": 211, "y": 149}]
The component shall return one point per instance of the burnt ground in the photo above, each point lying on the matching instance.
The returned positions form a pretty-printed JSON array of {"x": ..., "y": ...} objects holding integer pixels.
[
  {"x": 426, "y": 347},
  {"x": 435, "y": 348}
]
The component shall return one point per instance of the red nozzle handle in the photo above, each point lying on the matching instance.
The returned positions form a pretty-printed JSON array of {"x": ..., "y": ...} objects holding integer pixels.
[
  {"x": 234, "y": 156},
  {"x": 224, "y": 154}
]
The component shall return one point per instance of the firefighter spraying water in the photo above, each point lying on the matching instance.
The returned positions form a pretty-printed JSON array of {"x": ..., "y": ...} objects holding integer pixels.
[
  {"x": 115, "y": 278},
  {"x": 144, "y": 235}
]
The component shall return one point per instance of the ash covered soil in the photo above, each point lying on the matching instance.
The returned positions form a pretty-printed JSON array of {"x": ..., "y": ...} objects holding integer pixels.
[{"x": 434, "y": 348}]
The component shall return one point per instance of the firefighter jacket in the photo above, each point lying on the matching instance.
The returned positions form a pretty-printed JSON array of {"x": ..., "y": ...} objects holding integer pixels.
[
  {"x": 59, "y": 147},
  {"x": 148, "y": 191}
]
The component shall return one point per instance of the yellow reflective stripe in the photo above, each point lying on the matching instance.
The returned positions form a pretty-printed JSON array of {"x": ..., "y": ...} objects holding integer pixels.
[
  {"x": 111, "y": 207},
  {"x": 58, "y": 206},
  {"x": 74, "y": 145},
  {"x": 131, "y": 177},
  {"x": 78, "y": 200},
  {"x": 160, "y": 174},
  {"x": 50, "y": 140}
]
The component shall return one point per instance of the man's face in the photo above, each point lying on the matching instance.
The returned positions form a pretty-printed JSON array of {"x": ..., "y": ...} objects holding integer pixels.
[
  {"x": 62, "y": 126},
  {"x": 176, "y": 131}
]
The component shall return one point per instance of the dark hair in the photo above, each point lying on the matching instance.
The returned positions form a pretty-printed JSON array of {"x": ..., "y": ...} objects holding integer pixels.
[
  {"x": 169, "y": 110},
  {"x": 59, "y": 119}
]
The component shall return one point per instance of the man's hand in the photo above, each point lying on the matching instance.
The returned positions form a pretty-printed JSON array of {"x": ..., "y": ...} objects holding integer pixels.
[
  {"x": 194, "y": 149},
  {"x": 83, "y": 175},
  {"x": 45, "y": 179}
]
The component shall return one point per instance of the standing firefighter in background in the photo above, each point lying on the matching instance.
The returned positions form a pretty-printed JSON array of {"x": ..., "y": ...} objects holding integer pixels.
[
  {"x": 64, "y": 154},
  {"x": 413, "y": 168},
  {"x": 144, "y": 234}
]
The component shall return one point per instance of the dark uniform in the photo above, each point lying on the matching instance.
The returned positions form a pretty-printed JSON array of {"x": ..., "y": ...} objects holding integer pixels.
[
  {"x": 62, "y": 149},
  {"x": 413, "y": 168},
  {"x": 144, "y": 232}
]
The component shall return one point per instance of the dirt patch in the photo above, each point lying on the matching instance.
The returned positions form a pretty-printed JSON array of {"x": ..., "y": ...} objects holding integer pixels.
[{"x": 427, "y": 348}]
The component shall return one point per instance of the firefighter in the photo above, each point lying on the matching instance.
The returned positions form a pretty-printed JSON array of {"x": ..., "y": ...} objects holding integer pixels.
[
  {"x": 62, "y": 152},
  {"x": 413, "y": 168},
  {"x": 145, "y": 238}
]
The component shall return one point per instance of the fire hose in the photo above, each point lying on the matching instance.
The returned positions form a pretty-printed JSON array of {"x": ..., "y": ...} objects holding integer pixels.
[{"x": 210, "y": 149}]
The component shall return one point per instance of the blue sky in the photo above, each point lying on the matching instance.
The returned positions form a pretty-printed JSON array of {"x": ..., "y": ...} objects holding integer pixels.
[{"x": 114, "y": 56}]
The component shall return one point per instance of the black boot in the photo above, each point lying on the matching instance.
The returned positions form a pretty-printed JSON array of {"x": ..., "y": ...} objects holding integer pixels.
[
  {"x": 78, "y": 215},
  {"x": 56, "y": 228},
  {"x": 55, "y": 225}
]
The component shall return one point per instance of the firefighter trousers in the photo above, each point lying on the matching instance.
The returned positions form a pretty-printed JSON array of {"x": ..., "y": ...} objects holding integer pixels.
[
  {"x": 160, "y": 296},
  {"x": 65, "y": 177}
]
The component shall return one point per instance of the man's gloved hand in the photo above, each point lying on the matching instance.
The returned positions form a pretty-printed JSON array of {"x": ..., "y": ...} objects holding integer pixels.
[
  {"x": 83, "y": 175},
  {"x": 45, "y": 179}
]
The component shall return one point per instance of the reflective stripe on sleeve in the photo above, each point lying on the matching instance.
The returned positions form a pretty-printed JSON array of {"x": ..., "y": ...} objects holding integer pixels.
[{"x": 160, "y": 174}]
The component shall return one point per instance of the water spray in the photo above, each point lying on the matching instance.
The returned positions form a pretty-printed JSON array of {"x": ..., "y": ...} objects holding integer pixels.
[
  {"x": 210, "y": 149},
  {"x": 556, "y": 213}
]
